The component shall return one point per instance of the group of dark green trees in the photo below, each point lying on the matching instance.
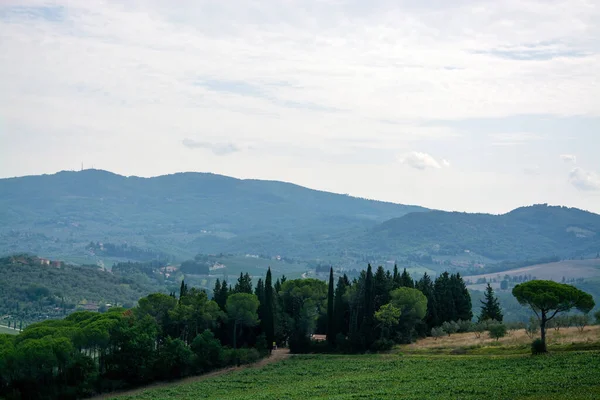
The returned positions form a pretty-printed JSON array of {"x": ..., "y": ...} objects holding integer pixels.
[
  {"x": 168, "y": 336},
  {"x": 381, "y": 308}
]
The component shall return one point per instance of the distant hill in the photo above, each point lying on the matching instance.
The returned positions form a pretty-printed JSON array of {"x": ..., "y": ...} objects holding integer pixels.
[
  {"x": 181, "y": 214},
  {"x": 525, "y": 233}
]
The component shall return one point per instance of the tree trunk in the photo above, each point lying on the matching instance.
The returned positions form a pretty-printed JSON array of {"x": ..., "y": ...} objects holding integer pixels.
[
  {"x": 543, "y": 328},
  {"x": 234, "y": 334}
]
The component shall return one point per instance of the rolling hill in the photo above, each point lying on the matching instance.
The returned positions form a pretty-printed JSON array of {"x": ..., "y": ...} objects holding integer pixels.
[
  {"x": 525, "y": 233},
  {"x": 184, "y": 214},
  {"x": 181, "y": 214}
]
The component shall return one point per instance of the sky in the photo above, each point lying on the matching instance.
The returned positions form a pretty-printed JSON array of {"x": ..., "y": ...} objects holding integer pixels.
[{"x": 478, "y": 106}]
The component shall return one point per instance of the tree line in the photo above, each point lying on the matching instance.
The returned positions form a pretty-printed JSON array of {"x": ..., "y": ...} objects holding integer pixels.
[{"x": 169, "y": 336}]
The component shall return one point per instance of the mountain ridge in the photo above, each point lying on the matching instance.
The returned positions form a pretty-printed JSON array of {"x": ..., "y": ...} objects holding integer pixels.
[
  {"x": 526, "y": 232},
  {"x": 187, "y": 213}
]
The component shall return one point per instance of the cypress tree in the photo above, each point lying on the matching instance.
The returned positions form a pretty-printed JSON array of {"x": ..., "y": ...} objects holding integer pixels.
[
  {"x": 269, "y": 311},
  {"x": 446, "y": 310},
  {"x": 406, "y": 280},
  {"x": 462, "y": 298},
  {"x": 182, "y": 290},
  {"x": 221, "y": 298},
  {"x": 367, "y": 322},
  {"x": 259, "y": 291},
  {"x": 425, "y": 285},
  {"x": 490, "y": 308},
  {"x": 331, "y": 332},
  {"x": 381, "y": 288},
  {"x": 277, "y": 286},
  {"x": 217, "y": 290},
  {"x": 396, "y": 278},
  {"x": 340, "y": 307},
  {"x": 244, "y": 284}
]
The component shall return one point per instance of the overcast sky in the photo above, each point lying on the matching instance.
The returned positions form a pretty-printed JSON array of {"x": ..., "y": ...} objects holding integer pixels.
[{"x": 457, "y": 105}]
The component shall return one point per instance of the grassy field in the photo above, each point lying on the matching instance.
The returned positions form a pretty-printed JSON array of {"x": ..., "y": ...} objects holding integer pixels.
[
  {"x": 569, "y": 375},
  {"x": 516, "y": 342},
  {"x": 569, "y": 269},
  {"x": 4, "y": 329}
]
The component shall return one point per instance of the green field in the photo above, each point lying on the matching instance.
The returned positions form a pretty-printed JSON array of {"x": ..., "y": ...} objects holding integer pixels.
[
  {"x": 4, "y": 329},
  {"x": 556, "y": 376}
]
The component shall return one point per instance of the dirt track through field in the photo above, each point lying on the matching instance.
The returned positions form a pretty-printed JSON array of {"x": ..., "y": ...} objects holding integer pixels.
[{"x": 276, "y": 355}]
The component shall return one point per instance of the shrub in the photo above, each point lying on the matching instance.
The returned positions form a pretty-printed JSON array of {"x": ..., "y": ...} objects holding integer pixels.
[
  {"x": 479, "y": 328},
  {"x": 174, "y": 361},
  {"x": 580, "y": 321},
  {"x": 248, "y": 356},
  {"x": 597, "y": 316},
  {"x": 450, "y": 327},
  {"x": 464, "y": 326},
  {"x": 383, "y": 345},
  {"x": 342, "y": 344},
  {"x": 300, "y": 344},
  {"x": 497, "y": 331},
  {"x": 437, "y": 332},
  {"x": 538, "y": 347},
  {"x": 532, "y": 327},
  {"x": 208, "y": 351},
  {"x": 515, "y": 326},
  {"x": 561, "y": 321},
  {"x": 261, "y": 344}
]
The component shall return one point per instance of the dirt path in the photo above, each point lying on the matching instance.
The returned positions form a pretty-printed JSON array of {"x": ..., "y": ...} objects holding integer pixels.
[{"x": 276, "y": 355}]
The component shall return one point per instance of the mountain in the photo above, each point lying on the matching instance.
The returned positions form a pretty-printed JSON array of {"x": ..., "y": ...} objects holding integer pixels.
[
  {"x": 181, "y": 214},
  {"x": 525, "y": 233}
]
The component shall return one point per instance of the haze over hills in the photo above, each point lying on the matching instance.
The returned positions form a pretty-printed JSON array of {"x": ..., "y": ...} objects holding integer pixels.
[
  {"x": 181, "y": 214},
  {"x": 524, "y": 233},
  {"x": 189, "y": 213}
]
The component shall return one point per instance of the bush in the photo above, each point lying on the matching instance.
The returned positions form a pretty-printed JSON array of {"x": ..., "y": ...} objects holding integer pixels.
[
  {"x": 479, "y": 328},
  {"x": 320, "y": 347},
  {"x": 342, "y": 344},
  {"x": 533, "y": 327},
  {"x": 580, "y": 321},
  {"x": 515, "y": 326},
  {"x": 464, "y": 326},
  {"x": 561, "y": 321},
  {"x": 450, "y": 327},
  {"x": 597, "y": 316},
  {"x": 497, "y": 331},
  {"x": 383, "y": 345},
  {"x": 248, "y": 356},
  {"x": 208, "y": 351},
  {"x": 538, "y": 346},
  {"x": 437, "y": 332},
  {"x": 261, "y": 344},
  {"x": 175, "y": 360},
  {"x": 240, "y": 356},
  {"x": 300, "y": 344}
]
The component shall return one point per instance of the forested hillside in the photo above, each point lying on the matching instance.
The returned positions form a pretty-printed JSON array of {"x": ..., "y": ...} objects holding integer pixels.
[
  {"x": 93, "y": 215},
  {"x": 525, "y": 233},
  {"x": 180, "y": 215},
  {"x": 30, "y": 291}
]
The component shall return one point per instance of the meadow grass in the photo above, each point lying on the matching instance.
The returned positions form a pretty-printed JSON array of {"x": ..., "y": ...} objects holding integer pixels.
[
  {"x": 6, "y": 330},
  {"x": 572, "y": 375}
]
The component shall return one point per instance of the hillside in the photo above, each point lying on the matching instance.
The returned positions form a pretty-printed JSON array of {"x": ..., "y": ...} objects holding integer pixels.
[
  {"x": 181, "y": 214},
  {"x": 525, "y": 233},
  {"x": 32, "y": 291}
]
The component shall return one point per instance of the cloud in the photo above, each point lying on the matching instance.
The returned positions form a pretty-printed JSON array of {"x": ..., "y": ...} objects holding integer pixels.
[
  {"x": 569, "y": 158},
  {"x": 220, "y": 149},
  {"x": 532, "y": 170},
  {"x": 584, "y": 180},
  {"x": 513, "y": 138},
  {"x": 422, "y": 161}
]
